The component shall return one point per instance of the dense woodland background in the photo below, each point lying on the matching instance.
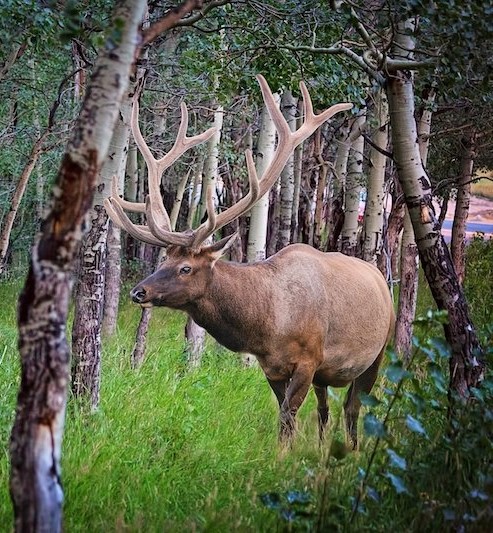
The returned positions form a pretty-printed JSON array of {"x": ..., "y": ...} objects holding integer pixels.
[{"x": 166, "y": 431}]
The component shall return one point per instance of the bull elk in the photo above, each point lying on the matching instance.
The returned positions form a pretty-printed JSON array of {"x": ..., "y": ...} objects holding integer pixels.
[{"x": 310, "y": 318}]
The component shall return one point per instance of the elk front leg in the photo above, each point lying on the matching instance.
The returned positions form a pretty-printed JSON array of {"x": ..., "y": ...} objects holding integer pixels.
[{"x": 322, "y": 409}]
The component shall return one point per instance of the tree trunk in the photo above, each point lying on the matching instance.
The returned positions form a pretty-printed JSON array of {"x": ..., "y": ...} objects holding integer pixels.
[
  {"x": 112, "y": 279},
  {"x": 289, "y": 108},
  {"x": 259, "y": 214},
  {"x": 466, "y": 364},
  {"x": 409, "y": 264},
  {"x": 35, "y": 446},
  {"x": 321, "y": 172},
  {"x": 354, "y": 185},
  {"x": 458, "y": 243},
  {"x": 138, "y": 352},
  {"x": 408, "y": 290},
  {"x": 20, "y": 189},
  {"x": 195, "y": 341},
  {"x": 211, "y": 164},
  {"x": 335, "y": 206},
  {"x": 88, "y": 311},
  {"x": 90, "y": 293},
  {"x": 374, "y": 211},
  {"x": 298, "y": 171}
]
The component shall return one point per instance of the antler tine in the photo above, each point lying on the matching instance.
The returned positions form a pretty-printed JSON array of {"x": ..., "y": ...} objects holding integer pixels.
[
  {"x": 207, "y": 228},
  {"x": 120, "y": 218},
  {"x": 182, "y": 142},
  {"x": 215, "y": 222},
  {"x": 287, "y": 142},
  {"x": 135, "y": 207},
  {"x": 311, "y": 118},
  {"x": 166, "y": 237}
]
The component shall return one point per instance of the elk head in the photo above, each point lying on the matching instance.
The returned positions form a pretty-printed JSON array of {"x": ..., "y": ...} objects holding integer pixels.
[{"x": 183, "y": 276}]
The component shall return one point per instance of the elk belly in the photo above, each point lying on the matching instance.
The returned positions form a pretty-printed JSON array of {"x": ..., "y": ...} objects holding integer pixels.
[{"x": 340, "y": 371}]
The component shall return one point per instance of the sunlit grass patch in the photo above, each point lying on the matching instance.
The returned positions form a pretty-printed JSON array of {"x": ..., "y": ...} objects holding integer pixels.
[{"x": 483, "y": 187}]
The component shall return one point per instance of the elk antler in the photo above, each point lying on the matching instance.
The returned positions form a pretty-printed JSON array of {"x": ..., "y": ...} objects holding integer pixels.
[{"x": 159, "y": 231}]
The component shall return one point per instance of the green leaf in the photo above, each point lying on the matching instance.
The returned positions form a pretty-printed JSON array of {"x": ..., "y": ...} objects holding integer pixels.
[
  {"x": 396, "y": 460},
  {"x": 395, "y": 372},
  {"x": 415, "y": 425},
  {"x": 373, "y": 427},
  {"x": 397, "y": 483},
  {"x": 369, "y": 400}
]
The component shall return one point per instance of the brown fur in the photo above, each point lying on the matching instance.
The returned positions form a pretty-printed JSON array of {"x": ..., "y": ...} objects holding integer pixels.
[{"x": 309, "y": 318}]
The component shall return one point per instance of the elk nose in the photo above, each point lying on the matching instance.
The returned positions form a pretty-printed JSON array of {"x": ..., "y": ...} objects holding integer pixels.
[{"x": 138, "y": 294}]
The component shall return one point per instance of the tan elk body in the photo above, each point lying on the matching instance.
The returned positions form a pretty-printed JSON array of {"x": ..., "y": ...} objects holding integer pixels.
[{"x": 310, "y": 318}]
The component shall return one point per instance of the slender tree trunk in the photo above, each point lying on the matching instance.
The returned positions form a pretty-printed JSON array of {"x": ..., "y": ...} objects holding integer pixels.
[
  {"x": 374, "y": 211},
  {"x": 20, "y": 189},
  {"x": 274, "y": 219},
  {"x": 131, "y": 186},
  {"x": 408, "y": 290},
  {"x": 138, "y": 352},
  {"x": 321, "y": 172},
  {"x": 458, "y": 243},
  {"x": 211, "y": 164},
  {"x": 259, "y": 214},
  {"x": 192, "y": 220},
  {"x": 354, "y": 185},
  {"x": 289, "y": 106},
  {"x": 112, "y": 279},
  {"x": 298, "y": 170},
  {"x": 335, "y": 207},
  {"x": 35, "y": 445},
  {"x": 466, "y": 364}
]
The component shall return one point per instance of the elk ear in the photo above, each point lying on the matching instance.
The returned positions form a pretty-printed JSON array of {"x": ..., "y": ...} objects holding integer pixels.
[{"x": 219, "y": 248}]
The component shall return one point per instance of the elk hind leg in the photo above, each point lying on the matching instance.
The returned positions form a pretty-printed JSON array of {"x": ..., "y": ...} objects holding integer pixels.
[
  {"x": 322, "y": 409},
  {"x": 352, "y": 404}
]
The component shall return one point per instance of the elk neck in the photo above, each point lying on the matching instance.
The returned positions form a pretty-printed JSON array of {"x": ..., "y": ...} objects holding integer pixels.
[{"x": 237, "y": 308}]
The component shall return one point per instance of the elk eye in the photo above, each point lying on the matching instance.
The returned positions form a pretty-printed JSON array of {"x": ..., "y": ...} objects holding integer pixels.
[{"x": 185, "y": 270}]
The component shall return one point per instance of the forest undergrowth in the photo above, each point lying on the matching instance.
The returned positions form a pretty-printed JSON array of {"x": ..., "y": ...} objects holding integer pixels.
[{"x": 173, "y": 449}]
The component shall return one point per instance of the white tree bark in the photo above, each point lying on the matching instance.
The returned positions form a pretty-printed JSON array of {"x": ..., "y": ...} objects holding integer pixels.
[
  {"x": 211, "y": 164},
  {"x": 259, "y": 214},
  {"x": 353, "y": 187},
  {"x": 374, "y": 211},
  {"x": 466, "y": 366},
  {"x": 289, "y": 105}
]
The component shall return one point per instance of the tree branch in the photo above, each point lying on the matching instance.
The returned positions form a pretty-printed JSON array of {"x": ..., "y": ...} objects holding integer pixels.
[{"x": 170, "y": 20}]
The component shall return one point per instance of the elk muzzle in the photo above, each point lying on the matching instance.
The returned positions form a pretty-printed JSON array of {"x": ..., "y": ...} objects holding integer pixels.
[{"x": 138, "y": 294}]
